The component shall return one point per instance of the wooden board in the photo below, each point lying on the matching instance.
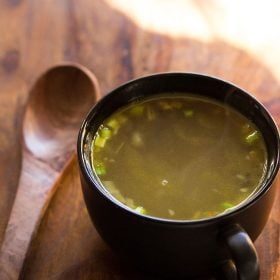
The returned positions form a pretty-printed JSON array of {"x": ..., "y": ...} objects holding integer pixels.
[{"x": 117, "y": 47}]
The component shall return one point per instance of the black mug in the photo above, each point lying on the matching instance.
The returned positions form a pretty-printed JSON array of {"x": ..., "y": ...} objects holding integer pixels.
[{"x": 175, "y": 248}]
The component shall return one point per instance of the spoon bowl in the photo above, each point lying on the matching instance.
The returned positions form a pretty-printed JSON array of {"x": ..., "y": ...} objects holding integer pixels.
[
  {"x": 56, "y": 106},
  {"x": 57, "y": 103}
]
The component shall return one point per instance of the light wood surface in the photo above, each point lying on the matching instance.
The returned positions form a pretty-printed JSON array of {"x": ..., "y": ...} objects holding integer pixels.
[{"x": 119, "y": 40}]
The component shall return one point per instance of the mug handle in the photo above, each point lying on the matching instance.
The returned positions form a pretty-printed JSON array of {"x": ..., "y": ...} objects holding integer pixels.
[{"x": 245, "y": 261}]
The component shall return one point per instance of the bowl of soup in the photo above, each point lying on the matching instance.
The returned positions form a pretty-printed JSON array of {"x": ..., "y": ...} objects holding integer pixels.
[{"x": 178, "y": 174}]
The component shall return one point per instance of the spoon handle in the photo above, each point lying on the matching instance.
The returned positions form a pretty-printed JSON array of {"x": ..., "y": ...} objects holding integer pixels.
[{"x": 32, "y": 198}]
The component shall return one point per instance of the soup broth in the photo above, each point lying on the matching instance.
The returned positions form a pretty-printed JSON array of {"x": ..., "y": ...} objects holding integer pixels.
[{"x": 180, "y": 157}]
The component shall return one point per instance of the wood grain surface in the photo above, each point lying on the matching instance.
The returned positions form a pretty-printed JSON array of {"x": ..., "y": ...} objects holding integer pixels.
[
  {"x": 56, "y": 106},
  {"x": 119, "y": 41}
]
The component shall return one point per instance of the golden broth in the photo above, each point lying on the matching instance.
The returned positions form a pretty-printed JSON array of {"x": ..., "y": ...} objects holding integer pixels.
[{"x": 179, "y": 157}]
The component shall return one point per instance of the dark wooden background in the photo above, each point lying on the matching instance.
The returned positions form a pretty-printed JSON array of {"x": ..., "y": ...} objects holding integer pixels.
[{"x": 117, "y": 45}]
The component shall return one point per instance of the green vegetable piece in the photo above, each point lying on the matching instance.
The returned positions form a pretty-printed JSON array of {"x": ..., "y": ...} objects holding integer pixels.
[
  {"x": 110, "y": 185},
  {"x": 114, "y": 124},
  {"x": 188, "y": 113},
  {"x": 106, "y": 133},
  {"x": 196, "y": 215},
  {"x": 92, "y": 155},
  {"x": 129, "y": 202},
  {"x": 140, "y": 210},
  {"x": 226, "y": 205},
  {"x": 100, "y": 169},
  {"x": 99, "y": 141},
  {"x": 137, "y": 110},
  {"x": 252, "y": 138}
]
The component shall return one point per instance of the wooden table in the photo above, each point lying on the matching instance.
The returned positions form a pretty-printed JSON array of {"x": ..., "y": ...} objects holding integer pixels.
[{"x": 119, "y": 40}]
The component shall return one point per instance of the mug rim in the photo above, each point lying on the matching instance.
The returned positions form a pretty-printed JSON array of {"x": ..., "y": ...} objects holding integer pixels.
[{"x": 95, "y": 182}]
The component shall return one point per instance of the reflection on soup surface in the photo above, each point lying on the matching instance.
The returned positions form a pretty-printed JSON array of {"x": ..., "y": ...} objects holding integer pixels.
[{"x": 179, "y": 157}]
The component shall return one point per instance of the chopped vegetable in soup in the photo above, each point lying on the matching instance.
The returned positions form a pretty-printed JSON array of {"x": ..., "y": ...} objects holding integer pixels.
[{"x": 179, "y": 157}]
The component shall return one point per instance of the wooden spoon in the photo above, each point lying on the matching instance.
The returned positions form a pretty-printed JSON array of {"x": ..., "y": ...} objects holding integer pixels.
[{"x": 57, "y": 104}]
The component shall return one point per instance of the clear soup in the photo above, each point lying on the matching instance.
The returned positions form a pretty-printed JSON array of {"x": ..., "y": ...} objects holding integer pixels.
[{"x": 181, "y": 157}]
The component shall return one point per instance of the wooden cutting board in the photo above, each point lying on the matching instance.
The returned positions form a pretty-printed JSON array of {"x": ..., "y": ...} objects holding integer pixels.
[{"x": 116, "y": 47}]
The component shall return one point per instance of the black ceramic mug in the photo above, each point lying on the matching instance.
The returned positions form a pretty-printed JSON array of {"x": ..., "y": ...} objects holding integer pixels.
[{"x": 176, "y": 248}]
